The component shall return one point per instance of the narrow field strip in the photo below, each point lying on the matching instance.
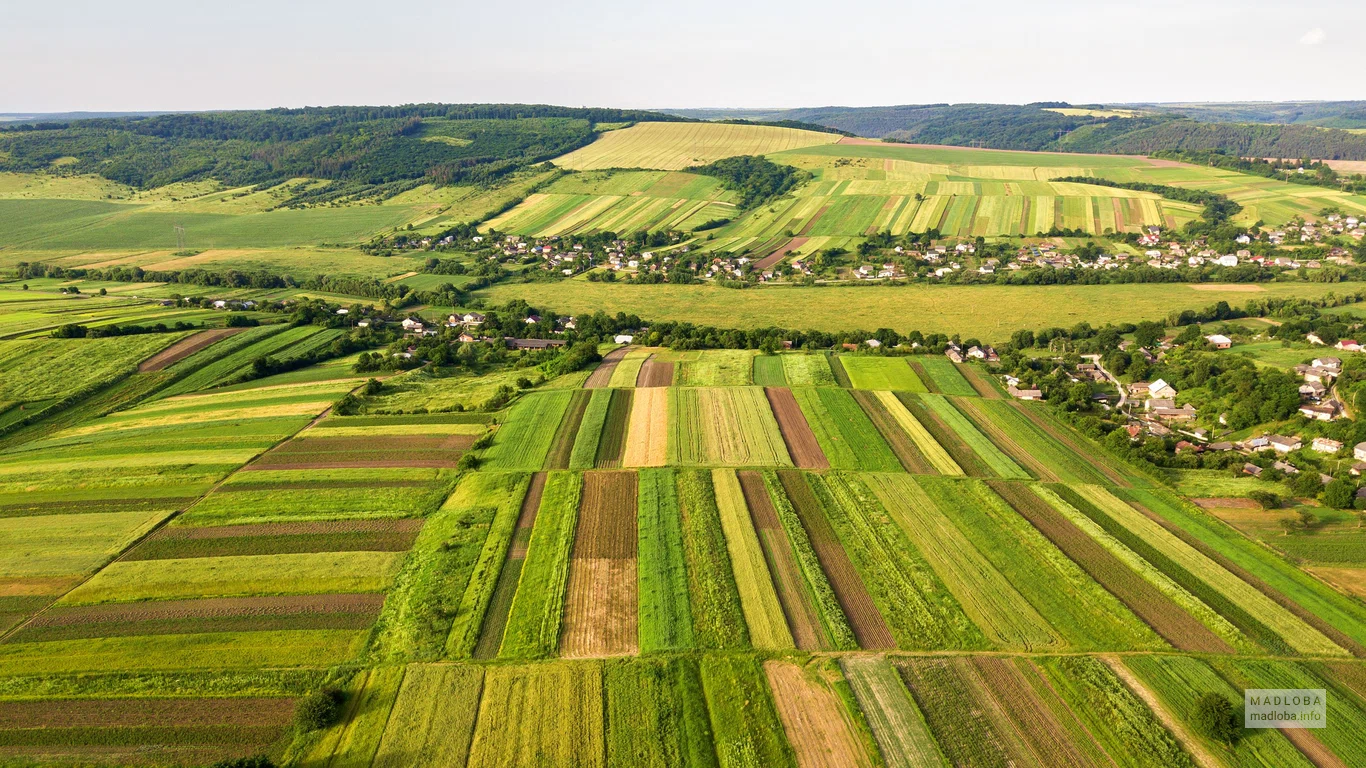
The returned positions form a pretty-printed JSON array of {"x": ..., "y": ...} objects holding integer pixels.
[
  {"x": 647, "y": 435},
  {"x": 797, "y": 435},
  {"x": 798, "y": 604},
  {"x": 938, "y": 458},
  {"x": 818, "y": 727},
  {"x": 768, "y": 627},
  {"x": 997, "y": 461},
  {"x": 601, "y": 617},
  {"x": 900, "y": 441}
]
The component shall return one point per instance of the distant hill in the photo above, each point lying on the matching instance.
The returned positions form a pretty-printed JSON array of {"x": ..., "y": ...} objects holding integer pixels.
[{"x": 1265, "y": 130}]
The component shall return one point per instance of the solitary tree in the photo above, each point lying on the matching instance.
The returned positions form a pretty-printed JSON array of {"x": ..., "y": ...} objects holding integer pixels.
[{"x": 1215, "y": 719}]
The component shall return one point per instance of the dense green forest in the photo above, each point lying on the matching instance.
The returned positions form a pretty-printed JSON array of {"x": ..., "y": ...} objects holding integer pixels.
[{"x": 353, "y": 147}]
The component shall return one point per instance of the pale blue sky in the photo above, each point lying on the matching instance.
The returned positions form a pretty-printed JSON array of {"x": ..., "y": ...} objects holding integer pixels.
[{"x": 159, "y": 54}]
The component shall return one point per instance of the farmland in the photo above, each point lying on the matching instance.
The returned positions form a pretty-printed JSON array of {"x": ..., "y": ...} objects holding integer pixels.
[{"x": 690, "y": 556}]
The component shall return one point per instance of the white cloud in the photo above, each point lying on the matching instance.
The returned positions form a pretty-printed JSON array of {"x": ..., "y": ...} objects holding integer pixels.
[{"x": 1314, "y": 36}]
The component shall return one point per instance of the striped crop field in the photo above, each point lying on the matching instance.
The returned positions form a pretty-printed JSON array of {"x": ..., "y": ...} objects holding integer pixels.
[
  {"x": 845, "y": 434},
  {"x": 625, "y": 202},
  {"x": 935, "y": 454},
  {"x": 807, "y": 370},
  {"x": 763, "y": 611},
  {"x": 731, "y": 427},
  {"x": 675, "y": 146},
  {"x": 985, "y": 594},
  {"x": 945, "y": 377},
  {"x": 992, "y": 457},
  {"x": 1206, "y": 578}
]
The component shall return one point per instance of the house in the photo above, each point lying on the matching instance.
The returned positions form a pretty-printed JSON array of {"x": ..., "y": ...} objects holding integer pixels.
[
  {"x": 533, "y": 319},
  {"x": 1161, "y": 389},
  {"x": 412, "y": 326},
  {"x": 1289, "y": 469},
  {"x": 1219, "y": 341},
  {"x": 1284, "y": 444},
  {"x": 1357, "y": 468},
  {"x": 472, "y": 318},
  {"x": 1156, "y": 403},
  {"x": 220, "y": 304},
  {"x": 1321, "y": 375},
  {"x": 1324, "y": 445},
  {"x": 1139, "y": 389},
  {"x": 1348, "y": 345},
  {"x": 1220, "y": 446},
  {"x": 1333, "y": 364},
  {"x": 1256, "y": 443},
  {"x": 977, "y": 353},
  {"x": 1184, "y": 413},
  {"x": 465, "y": 338},
  {"x": 1252, "y": 469},
  {"x": 1025, "y": 394},
  {"x": 1359, "y": 452},
  {"x": 1312, "y": 390},
  {"x": 874, "y": 343},
  {"x": 1318, "y": 412},
  {"x": 1227, "y": 261},
  {"x": 533, "y": 343},
  {"x": 954, "y": 354},
  {"x": 624, "y": 338}
]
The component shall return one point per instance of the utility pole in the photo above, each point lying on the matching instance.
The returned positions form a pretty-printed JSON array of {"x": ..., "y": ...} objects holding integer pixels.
[{"x": 180, "y": 237}]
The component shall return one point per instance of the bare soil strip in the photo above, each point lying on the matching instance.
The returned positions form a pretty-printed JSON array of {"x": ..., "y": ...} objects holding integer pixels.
[
  {"x": 600, "y": 611},
  {"x": 780, "y": 252},
  {"x": 798, "y": 607},
  {"x": 655, "y": 373},
  {"x": 288, "y": 529},
  {"x": 870, "y": 629},
  {"x": 413, "y": 463},
  {"x": 184, "y": 348},
  {"x": 1319, "y": 755},
  {"x": 602, "y": 375},
  {"x": 209, "y": 608},
  {"x": 814, "y": 719},
  {"x": 1165, "y": 617},
  {"x": 1033, "y": 720},
  {"x": 113, "y": 713},
  {"x": 901, "y": 443},
  {"x": 1236, "y": 503},
  {"x": 563, "y": 447},
  {"x": 496, "y": 617},
  {"x": 982, "y": 386},
  {"x": 801, "y": 441}
]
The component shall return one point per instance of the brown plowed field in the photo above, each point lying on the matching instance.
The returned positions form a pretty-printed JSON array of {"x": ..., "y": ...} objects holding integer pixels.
[
  {"x": 814, "y": 719},
  {"x": 85, "y": 507},
  {"x": 208, "y": 608},
  {"x": 798, "y": 606},
  {"x": 527, "y": 517},
  {"x": 184, "y": 348},
  {"x": 1227, "y": 503},
  {"x": 870, "y": 629},
  {"x": 982, "y": 386},
  {"x": 288, "y": 529},
  {"x": 801, "y": 441},
  {"x": 601, "y": 608},
  {"x": 1033, "y": 719},
  {"x": 600, "y": 614},
  {"x": 1164, "y": 616},
  {"x": 278, "y": 539},
  {"x": 655, "y": 373},
  {"x": 778, "y": 254},
  {"x": 366, "y": 452},
  {"x": 563, "y": 447},
  {"x": 602, "y": 375},
  {"x": 112, "y": 713}
]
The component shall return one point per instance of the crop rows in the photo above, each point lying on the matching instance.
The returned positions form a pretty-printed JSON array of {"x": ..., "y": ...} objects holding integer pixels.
[
  {"x": 881, "y": 373},
  {"x": 533, "y": 627},
  {"x": 797, "y": 435},
  {"x": 713, "y": 593},
  {"x": 612, "y": 442},
  {"x": 763, "y": 611},
  {"x": 993, "y": 603},
  {"x": 844, "y": 432},
  {"x": 665, "y": 617},
  {"x": 724, "y": 427},
  {"x": 935, "y": 458},
  {"x": 647, "y": 435},
  {"x": 523, "y": 442}
]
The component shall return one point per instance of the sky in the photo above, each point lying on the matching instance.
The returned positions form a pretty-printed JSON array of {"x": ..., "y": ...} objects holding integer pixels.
[{"x": 243, "y": 54}]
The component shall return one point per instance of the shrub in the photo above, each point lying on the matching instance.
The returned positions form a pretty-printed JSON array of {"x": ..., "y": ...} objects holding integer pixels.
[
  {"x": 318, "y": 709},
  {"x": 1266, "y": 499},
  {"x": 259, "y": 761},
  {"x": 1214, "y": 718},
  {"x": 1339, "y": 494}
]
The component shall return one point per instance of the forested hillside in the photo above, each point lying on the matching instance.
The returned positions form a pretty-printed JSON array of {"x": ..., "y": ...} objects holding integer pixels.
[{"x": 354, "y": 147}]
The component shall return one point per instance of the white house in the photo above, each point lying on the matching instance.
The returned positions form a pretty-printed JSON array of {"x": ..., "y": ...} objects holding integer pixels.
[
  {"x": 1324, "y": 445},
  {"x": 624, "y": 338},
  {"x": 1285, "y": 444},
  {"x": 1162, "y": 390},
  {"x": 1219, "y": 341}
]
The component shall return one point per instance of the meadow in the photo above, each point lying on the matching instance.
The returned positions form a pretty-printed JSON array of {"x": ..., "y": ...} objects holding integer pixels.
[{"x": 927, "y": 308}]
